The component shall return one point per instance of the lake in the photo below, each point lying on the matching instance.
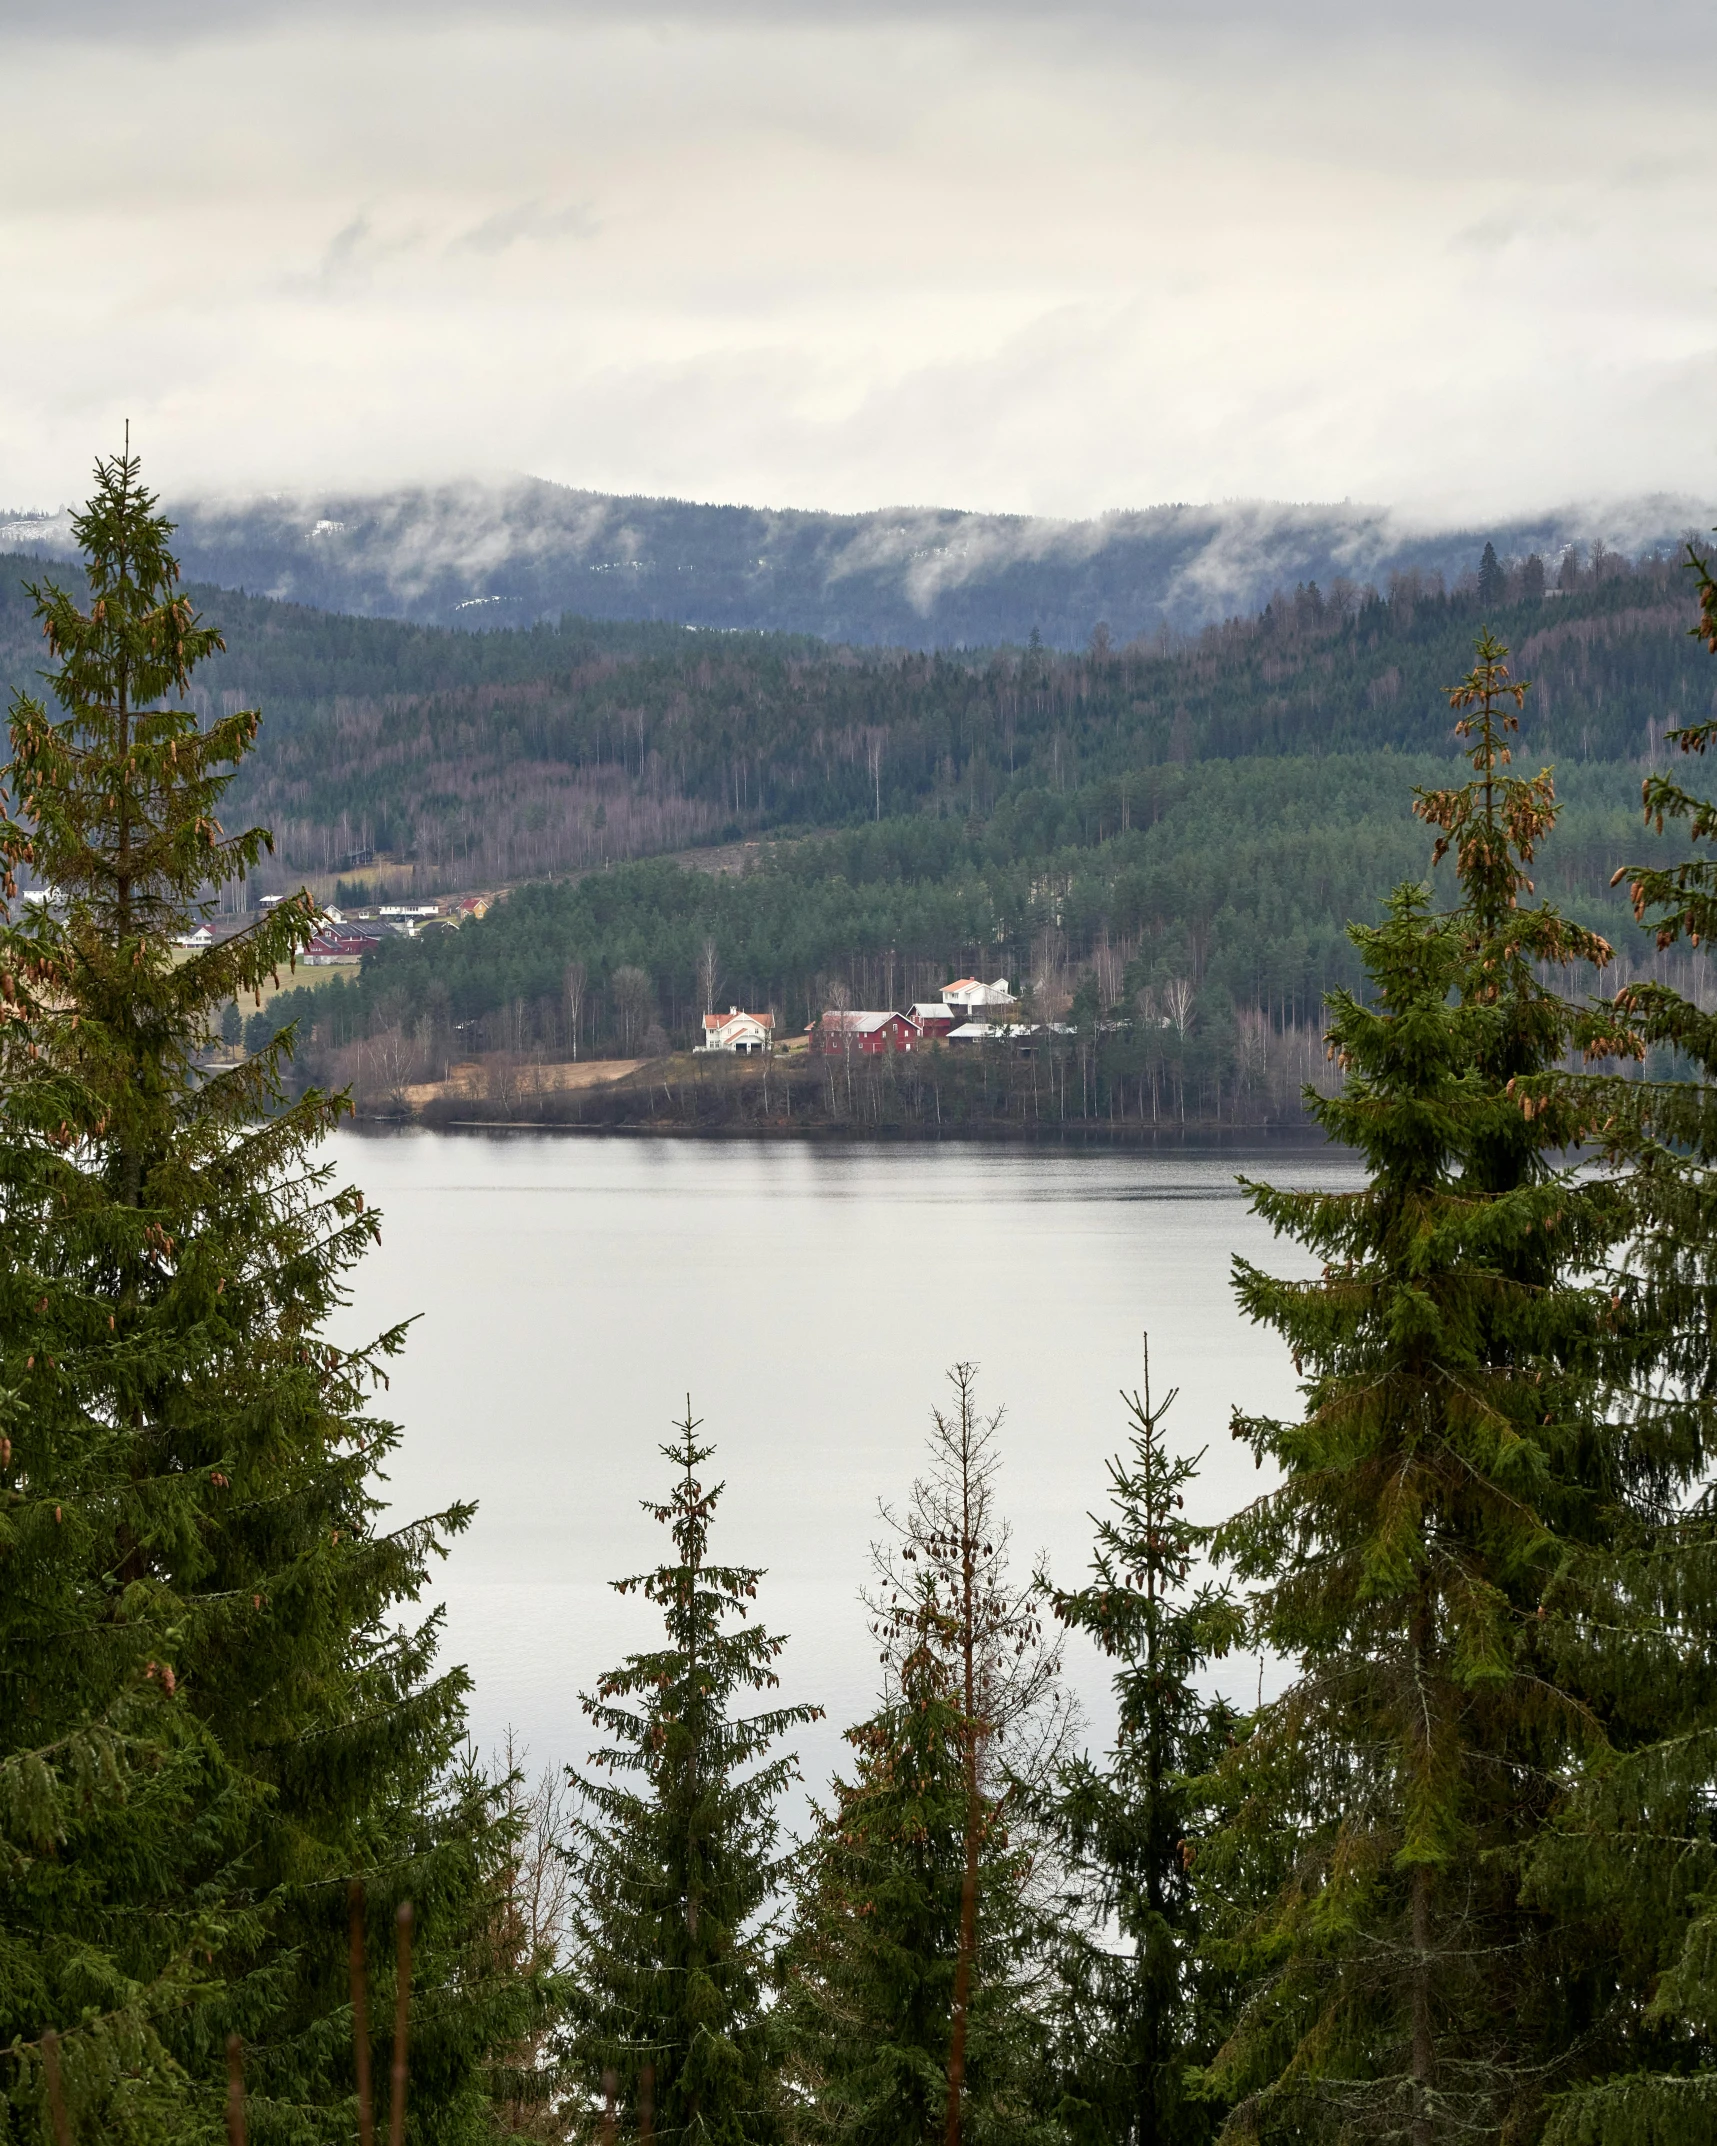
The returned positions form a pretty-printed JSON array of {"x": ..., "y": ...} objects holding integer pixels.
[{"x": 809, "y": 1298}]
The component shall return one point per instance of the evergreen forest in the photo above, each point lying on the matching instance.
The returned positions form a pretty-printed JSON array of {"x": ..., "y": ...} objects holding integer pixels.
[{"x": 1457, "y": 1882}]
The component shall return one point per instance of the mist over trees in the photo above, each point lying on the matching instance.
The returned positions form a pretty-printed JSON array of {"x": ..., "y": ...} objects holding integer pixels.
[{"x": 496, "y": 556}]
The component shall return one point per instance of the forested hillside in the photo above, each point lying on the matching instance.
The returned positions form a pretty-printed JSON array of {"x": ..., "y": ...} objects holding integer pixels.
[
  {"x": 1188, "y": 955},
  {"x": 485, "y": 758}
]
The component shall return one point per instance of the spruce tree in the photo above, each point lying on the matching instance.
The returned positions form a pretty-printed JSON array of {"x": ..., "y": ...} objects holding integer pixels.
[
  {"x": 1632, "y": 1862},
  {"x": 1455, "y": 1453},
  {"x": 868, "y": 1977},
  {"x": 211, "y": 1720},
  {"x": 1138, "y": 2017},
  {"x": 675, "y": 1852},
  {"x": 922, "y": 1946}
]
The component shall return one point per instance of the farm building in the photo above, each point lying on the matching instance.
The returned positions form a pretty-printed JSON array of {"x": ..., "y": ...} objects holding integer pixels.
[
  {"x": 867, "y": 1035},
  {"x": 933, "y": 1017},
  {"x": 335, "y": 943}
]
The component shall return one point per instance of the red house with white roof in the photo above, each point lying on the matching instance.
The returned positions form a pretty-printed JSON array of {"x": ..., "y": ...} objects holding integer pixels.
[{"x": 865, "y": 1035}]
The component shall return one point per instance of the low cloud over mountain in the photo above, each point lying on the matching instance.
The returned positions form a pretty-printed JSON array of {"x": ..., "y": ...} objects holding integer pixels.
[{"x": 512, "y": 552}]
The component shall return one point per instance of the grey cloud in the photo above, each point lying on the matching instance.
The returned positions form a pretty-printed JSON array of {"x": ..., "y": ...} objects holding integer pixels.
[
  {"x": 1555, "y": 30},
  {"x": 353, "y": 254},
  {"x": 916, "y": 575},
  {"x": 529, "y": 221}
]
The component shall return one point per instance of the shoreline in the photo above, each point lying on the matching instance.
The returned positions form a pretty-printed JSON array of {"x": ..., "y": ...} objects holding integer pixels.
[{"x": 375, "y": 1124}]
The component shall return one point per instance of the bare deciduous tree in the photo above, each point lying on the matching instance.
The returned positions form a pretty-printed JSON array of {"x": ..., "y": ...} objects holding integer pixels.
[
  {"x": 634, "y": 1005},
  {"x": 1252, "y": 1047},
  {"x": 1179, "y": 1002},
  {"x": 531, "y": 1934},
  {"x": 385, "y": 1064},
  {"x": 709, "y": 973},
  {"x": 572, "y": 982},
  {"x": 1109, "y": 966}
]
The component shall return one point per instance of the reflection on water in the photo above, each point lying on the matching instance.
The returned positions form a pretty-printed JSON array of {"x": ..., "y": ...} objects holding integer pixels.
[{"x": 573, "y": 1291}]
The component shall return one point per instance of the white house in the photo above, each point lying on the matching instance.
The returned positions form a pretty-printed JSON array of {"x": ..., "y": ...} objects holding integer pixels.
[
  {"x": 202, "y": 936},
  {"x": 746, "y": 1034},
  {"x": 971, "y": 998}
]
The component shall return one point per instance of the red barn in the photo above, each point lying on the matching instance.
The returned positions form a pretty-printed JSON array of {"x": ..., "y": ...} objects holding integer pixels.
[
  {"x": 934, "y": 1018},
  {"x": 334, "y": 943},
  {"x": 867, "y": 1035}
]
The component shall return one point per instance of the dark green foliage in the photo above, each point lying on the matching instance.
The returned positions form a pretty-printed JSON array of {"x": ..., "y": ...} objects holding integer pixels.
[
  {"x": 209, "y": 1719},
  {"x": 915, "y": 1985},
  {"x": 675, "y": 1852},
  {"x": 1493, "y": 582},
  {"x": 869, "y": 1976},
  {"x": 1632, "y": 1865},
  {"x": 1454, "y": 1460},
  {"x": 1138, "y": 2015}
]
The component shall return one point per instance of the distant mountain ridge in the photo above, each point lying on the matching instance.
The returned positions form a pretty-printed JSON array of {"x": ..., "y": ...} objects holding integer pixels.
[{"x": 513, "y": 552}]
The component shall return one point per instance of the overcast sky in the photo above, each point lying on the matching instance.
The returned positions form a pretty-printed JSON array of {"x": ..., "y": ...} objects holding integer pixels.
[{"x": 1053, "y": 259}]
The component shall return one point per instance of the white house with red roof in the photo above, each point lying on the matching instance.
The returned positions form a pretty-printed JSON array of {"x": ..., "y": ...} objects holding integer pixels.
[
  {"x": 969, "y": 998},
  {"x": 746, "y": 1034}
]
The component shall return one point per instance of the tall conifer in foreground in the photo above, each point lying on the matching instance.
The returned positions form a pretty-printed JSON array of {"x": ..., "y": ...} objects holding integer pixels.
[
  {"x": 674, "y": 1852},
  {"x": 1632, "y": 1863},
  {"x": 868, "y": 1977},
  {"x": 1134, "y": 2025},
  {"x": 917, "y": 2003},
  {"x": 209, "y": 1720},
  {"x": 1454, "y": 1454}
]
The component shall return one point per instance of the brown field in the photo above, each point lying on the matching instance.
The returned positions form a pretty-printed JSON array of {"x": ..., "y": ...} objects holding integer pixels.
[{"x": 473, "y": 1081}]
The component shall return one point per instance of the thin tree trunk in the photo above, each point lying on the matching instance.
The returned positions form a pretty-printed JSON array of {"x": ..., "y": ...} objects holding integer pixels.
[
  {"x": 974, "y": 1815},
  {"x": 1419, "y": 1896},
  {"x": 963, "y": 1967},
  {"x": 1423, "y": 2046}
]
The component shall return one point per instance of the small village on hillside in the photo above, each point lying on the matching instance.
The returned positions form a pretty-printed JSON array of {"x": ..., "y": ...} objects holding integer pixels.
[
  {"x": 966, "y": 1011},
  {"x": 345, "y": 936}
]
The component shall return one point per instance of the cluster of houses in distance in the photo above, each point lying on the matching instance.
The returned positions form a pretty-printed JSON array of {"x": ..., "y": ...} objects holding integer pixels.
[
  {"x": 967, "y": 1011},
  {"x": 346, "y": 937}
]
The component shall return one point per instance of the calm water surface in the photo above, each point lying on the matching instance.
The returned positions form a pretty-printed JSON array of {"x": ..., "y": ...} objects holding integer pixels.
[{"x": 573, "y": 1291}]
